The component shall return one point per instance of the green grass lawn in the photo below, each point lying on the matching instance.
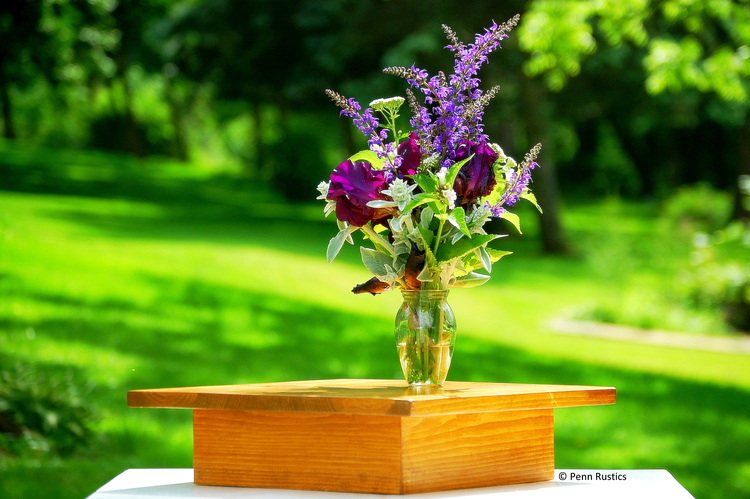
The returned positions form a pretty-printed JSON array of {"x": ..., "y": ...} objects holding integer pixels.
[{"x": 128, "y": 274}]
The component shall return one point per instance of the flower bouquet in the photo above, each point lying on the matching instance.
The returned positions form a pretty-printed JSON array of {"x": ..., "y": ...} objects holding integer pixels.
[{"x": 422, "y": 197}]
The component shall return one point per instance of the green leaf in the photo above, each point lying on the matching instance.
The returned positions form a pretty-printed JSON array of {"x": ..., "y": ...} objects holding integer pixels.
[
  {"x": 529, "y": 196},
  {"x": 429, "y": 259},
  {"x": 485, "y": 258},
  {"x": 427, "y": 216},
  {"x": 402, "y": 247},
  {"x": 375, "y": 261},
  {"x": 450, "y": 178},
  {"x": 497, "y": 193},
  {"x": 419, "y": 199},
  {"x": 449, "y": 251},
  {"x": 512, "y": 218},
  {"x": 381, "y": 244},
  {"x": 424, "y": 275},
  {"x": 496, "y": 255},
  {"x": 470, "y": 280},
  {"x": 472, "y": 261},
  {"x": 428, "y": 183},
  {"x": 436, "y": 206},
  {"x": 381, "y": 203},
  {"x": 427, "y": 236},
  {"x": 337, "y": 242},
  {"x": 457, "y": 218},
  {"x": 369, "y": 156}
]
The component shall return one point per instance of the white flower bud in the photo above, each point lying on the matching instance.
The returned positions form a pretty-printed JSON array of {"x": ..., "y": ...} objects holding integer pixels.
[
  {"x": 441, "y": 175},
  {"x": 389, "y": 104}
]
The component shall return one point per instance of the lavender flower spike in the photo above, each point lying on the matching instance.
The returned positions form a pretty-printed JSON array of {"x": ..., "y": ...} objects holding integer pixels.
[
  {"x": 365, "y": 122},
  {"x": 517, "y": 181},
  {"x": 454, "y": 104}
]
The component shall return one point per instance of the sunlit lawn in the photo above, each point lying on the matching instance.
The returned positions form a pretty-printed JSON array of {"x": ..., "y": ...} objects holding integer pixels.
[{"x": 198, "y": 283}]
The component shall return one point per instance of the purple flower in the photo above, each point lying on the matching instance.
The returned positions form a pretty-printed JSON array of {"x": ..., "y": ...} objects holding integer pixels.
[
  {"x": 353, "y": 185},
  {"x": 411, "y": 156},
  {"x": 453, "y": 104},
  {"x": 476, "y": 178},
  {"x": 517, "y": 181}
]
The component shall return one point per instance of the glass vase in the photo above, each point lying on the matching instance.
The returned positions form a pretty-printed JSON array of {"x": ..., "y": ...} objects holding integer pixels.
[{"x": 425, "y": 334}]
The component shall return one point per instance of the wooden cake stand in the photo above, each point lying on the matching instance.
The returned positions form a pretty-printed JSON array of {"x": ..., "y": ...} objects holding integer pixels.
[{"x": 374, "y": 436}]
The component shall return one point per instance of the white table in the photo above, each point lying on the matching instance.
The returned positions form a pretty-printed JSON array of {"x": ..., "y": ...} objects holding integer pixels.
[{"x": 568, "y": 484}]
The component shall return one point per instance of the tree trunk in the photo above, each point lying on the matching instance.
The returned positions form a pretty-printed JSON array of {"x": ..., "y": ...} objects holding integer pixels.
[
  {"x": 538, "y": 114},
  {"x": 175, "y": 112},
  {"x": 132, "y": 136},
  {"x": 257, "y": 138},
  {"x": 9, "y": 131}
]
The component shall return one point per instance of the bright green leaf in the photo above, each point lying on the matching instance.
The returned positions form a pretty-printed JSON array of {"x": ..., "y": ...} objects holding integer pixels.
[
  {"x": 512, "y": 218},
  {"x": 419, "y": 199},
  {"x": 369, "y": 156},
  {"x": 450, "y": 177},
  {"x": 529, "y": 196},
  {"x": 496, "y": 255},
  {"x": 337, "y": 242},
  {"x": 457, "y": 218},
  {"x": 449, "y": 251},
  {"x": 428, "y": 183},
  {"x": 470, "y": 280},
  {"x": 484, "y": 256},
  {"x": 472, "y": 261}
]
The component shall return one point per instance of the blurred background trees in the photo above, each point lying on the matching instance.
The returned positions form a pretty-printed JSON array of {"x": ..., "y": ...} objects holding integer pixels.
[
  {"x": 191, "y": 251},
  {"x": 630, "y": 98},
  {"x": 661, "y": 88}
]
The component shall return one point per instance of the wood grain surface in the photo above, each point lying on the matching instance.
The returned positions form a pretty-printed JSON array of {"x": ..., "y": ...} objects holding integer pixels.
[
  {"x": 374, "y": 397},
  {"x": 477, "y": 450},
  {"x": 308, "y": 451},
  {"x": 372, "y": 454}
]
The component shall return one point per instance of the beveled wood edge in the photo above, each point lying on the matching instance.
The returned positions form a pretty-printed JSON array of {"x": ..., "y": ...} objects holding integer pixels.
[{"x": 432, "y": 403}]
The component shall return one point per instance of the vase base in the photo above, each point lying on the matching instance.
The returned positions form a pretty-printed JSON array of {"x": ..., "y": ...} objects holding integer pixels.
[{"x": 425, "y": 385}]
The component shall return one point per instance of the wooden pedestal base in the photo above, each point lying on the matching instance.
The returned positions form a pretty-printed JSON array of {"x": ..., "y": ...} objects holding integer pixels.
[{"x": 373, "y": 436}]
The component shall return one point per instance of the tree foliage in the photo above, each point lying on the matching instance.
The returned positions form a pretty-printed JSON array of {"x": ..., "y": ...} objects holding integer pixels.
[
  {"x": 623, "y": 78},
  {"x": 669, "y": 77},
  {"x": 684, "y": 44}
]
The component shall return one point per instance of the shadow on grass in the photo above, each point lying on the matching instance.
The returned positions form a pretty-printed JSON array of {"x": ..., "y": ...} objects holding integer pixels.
[
  {"x": 282, "y": 230},
  {"x": 700, "y": 433},
  {"x": 95, "y": 174},
  {"x": 191, "y": 205}
]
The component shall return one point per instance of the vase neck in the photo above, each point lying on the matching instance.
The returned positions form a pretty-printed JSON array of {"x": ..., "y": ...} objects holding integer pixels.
[{"x": 430, "y": 294}]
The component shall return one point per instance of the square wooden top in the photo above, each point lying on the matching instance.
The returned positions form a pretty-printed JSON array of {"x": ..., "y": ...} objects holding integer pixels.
[{"x": 374, "y": 397}]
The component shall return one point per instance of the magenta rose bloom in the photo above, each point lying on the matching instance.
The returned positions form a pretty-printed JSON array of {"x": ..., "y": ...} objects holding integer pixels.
[
  {"x": 476, "y": 178},
  {"x": 353, "y": 185},
  {"x": 411, "y": 156}
]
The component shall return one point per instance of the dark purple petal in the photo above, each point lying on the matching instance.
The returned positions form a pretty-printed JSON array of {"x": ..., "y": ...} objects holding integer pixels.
[
  {"x": 353, "y": 185},
  {"x": 411, "y": 156},
  {"x": 476, "y": 178}
]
